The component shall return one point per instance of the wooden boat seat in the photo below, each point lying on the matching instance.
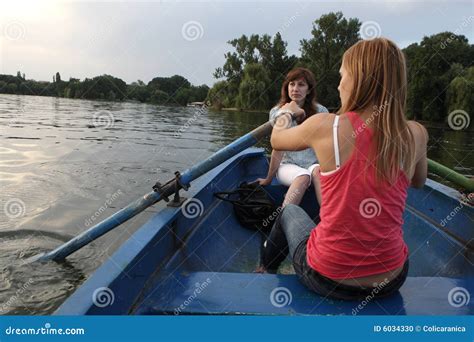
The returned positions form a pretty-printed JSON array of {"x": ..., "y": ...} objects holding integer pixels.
[{"x": 251, "y": 293}]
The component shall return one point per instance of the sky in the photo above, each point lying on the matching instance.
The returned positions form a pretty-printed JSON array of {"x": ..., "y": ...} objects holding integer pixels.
[{"x": 144, "y": 39}]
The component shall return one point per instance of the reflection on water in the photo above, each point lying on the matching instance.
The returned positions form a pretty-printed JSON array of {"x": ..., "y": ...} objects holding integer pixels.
[
  {"x": 452, "y": 148},
  {"x": 37, "y": 288},
  {"x": 62, "y": 160}
]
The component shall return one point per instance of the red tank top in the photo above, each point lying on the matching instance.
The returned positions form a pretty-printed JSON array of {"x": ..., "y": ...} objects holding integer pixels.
[{"x": 360, "y": 233}]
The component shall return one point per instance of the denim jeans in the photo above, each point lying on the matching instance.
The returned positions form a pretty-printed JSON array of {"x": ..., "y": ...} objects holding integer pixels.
[{"x": 290, "y": 234}]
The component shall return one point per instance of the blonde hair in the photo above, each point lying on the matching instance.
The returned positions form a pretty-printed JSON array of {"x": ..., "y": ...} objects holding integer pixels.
[{"x": 378, "y": 70}]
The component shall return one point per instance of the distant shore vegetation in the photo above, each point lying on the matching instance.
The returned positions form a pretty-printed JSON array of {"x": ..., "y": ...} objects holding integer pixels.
[
  {"x": 175, "y": 90},
  {"x": 440, "y": 74}
]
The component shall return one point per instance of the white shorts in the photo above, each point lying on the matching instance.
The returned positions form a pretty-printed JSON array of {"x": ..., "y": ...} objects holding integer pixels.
[{"x": 287, "y": 173}]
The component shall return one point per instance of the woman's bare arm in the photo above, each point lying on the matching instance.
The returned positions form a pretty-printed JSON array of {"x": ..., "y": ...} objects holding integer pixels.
[
  {"x": 299, "y": 137},
  {"x": 275, "y": 161},
  {"x": 421, "y": 142}
]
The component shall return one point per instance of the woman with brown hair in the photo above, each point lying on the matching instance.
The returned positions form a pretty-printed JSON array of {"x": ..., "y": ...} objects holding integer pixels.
[
  {"x": 369, "y": 156},
  {"x": 296, "y": 169}
]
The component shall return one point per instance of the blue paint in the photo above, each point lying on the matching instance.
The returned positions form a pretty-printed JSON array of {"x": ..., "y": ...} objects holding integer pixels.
[
  {"x": 151, "y": 198},
  {"x": 160, "y": 268}
]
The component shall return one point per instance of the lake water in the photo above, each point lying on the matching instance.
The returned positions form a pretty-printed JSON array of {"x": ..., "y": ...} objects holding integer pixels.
[{"x": 66, "y": 164}]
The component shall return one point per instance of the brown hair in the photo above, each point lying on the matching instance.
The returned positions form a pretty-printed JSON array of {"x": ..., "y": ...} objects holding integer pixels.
[
  {"x": 378, "y": 70},
  {"x": 310, "y": 99}
]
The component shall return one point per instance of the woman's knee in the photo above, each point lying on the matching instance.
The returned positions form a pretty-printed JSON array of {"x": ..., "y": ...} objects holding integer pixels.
[
  {"x": 289, "y": 213},
  {"x": 302, "y": 181}
]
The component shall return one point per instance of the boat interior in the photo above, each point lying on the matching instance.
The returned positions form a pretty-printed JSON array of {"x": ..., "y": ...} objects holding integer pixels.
[{"x": 203, "y": 263}]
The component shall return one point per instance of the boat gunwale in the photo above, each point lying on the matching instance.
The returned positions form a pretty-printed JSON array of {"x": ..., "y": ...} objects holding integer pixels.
[
  {"x": 81, "y": 301},
  {"x": 107, "y": 273}
]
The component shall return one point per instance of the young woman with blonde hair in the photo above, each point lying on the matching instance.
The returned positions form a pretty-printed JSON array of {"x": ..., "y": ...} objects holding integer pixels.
[{"x": 369, "y": 155}]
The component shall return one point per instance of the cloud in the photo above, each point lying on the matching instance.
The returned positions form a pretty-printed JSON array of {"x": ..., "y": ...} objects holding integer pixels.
[{"x": 142, "y": 40}]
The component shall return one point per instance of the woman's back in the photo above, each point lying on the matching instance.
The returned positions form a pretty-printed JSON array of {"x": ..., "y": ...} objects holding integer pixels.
[
  {"x": 361, "y": 218},
  {"x": 368, "y": 157},
  {"x": 324, "y": 145}
]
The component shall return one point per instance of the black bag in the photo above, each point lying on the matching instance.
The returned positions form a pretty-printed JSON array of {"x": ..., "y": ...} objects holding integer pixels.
[{"x": 252, "y": 206}]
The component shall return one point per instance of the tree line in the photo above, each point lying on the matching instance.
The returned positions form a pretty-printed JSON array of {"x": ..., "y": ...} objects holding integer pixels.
[
  {"x": 440, "y": 74},
  {"x": 440, "y": 69},
  {"x": 175, "y": 90}
]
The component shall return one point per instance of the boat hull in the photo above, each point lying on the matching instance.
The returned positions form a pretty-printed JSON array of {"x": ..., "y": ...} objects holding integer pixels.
[{"x": 200, "y": 261}]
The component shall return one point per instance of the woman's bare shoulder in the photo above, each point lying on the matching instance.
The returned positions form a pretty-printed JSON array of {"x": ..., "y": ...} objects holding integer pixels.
[
  {"x": 418, "y": 130},
  {"x": 321, "y": 118}
]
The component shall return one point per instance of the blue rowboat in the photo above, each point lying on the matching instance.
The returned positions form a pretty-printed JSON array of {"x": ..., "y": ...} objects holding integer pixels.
[{"x": 197, "y": 259}]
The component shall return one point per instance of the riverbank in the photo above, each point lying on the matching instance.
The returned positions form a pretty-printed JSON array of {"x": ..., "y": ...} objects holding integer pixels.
[{"x": 233, "y": 109}]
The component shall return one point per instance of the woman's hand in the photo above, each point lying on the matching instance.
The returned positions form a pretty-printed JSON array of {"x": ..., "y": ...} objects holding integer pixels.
[
  {"x": 263, "y": 181},
  {"x": 292, "y": 106}
]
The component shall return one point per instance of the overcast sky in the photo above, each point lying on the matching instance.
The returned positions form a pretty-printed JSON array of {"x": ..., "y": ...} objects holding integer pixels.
[{"x": 141, "y": 40}]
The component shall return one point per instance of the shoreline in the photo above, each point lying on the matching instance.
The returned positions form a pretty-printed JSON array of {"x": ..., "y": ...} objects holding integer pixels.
[{"x": 233, "y": 109}]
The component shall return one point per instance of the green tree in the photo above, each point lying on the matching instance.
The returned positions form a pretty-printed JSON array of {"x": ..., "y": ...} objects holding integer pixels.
[
  {"x": 255, "y": 49},
  {"x": 138, "y": 91},
  {"x": 111, "y": 95},
  {"x": 218, "y": 95},
  {"x": 159, "y": 97},
  {"x": 11, "y": 88},
  {"x": 253, "y": 92},
  {"x": 199, "y": 93},
  {"x": 100, "y": 87},
  {"x": 169, "y": 85},
  {"x": 460, "y": 90},
  {"x": 431, "y": 68},
  {"x": 276, "y": 61},
  {"x": 332, "y": 35},
  {"x": 182, "y": 96},
  {"x": 231, "y": 71}
]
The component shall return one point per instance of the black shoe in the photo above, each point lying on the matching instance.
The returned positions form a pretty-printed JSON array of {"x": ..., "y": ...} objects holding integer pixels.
[{"x": 274, "y": 249}]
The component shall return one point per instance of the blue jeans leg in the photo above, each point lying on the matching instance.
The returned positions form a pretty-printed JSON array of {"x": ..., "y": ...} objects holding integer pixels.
[{"x": 296, "y": 225}]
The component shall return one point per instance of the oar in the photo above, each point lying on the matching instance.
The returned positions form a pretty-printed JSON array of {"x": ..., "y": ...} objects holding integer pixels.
[
  {"x": 183, "y": 181},
  {"x": 168, "y": 189},
  {"x": 451, "y": 175}
]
